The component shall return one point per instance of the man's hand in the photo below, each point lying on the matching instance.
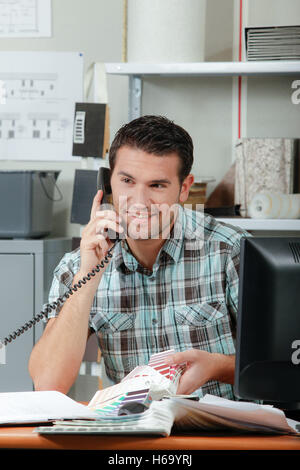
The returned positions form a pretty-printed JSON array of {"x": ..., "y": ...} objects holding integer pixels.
[
  {"x": 201, "y": 367},
  {"x": 94, "y": 241}
]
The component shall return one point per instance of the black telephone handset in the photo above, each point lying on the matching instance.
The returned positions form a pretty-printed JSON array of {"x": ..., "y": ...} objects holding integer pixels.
[{"x": 103, "y": 182}]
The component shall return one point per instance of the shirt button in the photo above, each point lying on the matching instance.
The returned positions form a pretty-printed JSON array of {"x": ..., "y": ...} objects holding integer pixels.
[{"x": 154, "y": 321}]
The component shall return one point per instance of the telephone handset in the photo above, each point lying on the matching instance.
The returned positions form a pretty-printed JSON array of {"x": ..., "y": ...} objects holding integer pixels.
[{"x": 103, "y": 182}]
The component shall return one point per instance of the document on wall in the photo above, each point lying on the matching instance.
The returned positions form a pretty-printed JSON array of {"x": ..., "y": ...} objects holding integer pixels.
[
  {"x": 25, "y": 18},
  {"x": 39, "y": 92}
]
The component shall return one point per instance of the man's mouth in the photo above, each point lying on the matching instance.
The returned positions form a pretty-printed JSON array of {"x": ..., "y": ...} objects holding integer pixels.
[{"x": 140, "y": 215}]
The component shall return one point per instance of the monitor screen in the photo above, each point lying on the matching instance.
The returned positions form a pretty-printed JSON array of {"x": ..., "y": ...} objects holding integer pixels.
[{"x": 268, "y": 325}]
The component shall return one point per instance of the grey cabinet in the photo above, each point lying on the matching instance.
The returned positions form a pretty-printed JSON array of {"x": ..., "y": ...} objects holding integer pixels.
[{"x": 26, "y": 270}]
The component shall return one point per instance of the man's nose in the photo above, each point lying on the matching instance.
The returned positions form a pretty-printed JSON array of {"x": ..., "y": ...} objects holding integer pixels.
[{"x": 140, "y": 198}]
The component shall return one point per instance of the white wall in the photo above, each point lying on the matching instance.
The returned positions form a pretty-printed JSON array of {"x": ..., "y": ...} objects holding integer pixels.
[
  {"x": 93, "y": 27},
  {"x": 203, "y": 106},
  {"x": 270, "y": 111},
  {"x": 273, "y": 12}
]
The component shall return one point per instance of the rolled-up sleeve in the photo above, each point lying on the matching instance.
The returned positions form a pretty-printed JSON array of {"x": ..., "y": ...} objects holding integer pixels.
[{"x": 63, "y": 276}]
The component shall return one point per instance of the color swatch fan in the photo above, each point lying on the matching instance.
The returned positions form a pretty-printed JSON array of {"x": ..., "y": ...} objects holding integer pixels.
[
  {"x": 143, "y": 385},
  {"x": 161, "y": 378}
]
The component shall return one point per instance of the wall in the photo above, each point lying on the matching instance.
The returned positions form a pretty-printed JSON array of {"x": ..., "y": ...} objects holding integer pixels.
[
  {"x": 93, "y": 27},
  {"x": 207, "y": 107},
  {"x": 203, "y": 106},
  {"x": 270, "y": 111}
]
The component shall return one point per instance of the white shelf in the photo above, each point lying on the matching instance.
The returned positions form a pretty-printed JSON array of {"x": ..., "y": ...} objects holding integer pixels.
[
  {"x": 263, "y": 224},
  {"x": 278, "y": 67}
]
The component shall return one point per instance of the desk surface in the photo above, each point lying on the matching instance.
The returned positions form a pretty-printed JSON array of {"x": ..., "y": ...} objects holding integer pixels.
[{"x": 16, "y": 437}]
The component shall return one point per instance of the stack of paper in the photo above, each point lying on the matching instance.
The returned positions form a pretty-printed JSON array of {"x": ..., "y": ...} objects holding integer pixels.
[
  {"x": 273, "y": 43},
  {"x": 212, "y": 412},
  {"x": 40, "y": 407},
  {"x": 158, "y": 419},
  {"x": 208, "y": 414}
]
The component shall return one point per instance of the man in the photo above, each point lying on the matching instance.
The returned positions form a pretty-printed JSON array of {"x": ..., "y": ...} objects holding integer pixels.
[{"x": 172, "y": 282}]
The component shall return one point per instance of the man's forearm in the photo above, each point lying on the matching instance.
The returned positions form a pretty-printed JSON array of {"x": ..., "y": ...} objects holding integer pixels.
[
  {"x": 224, "y": 368},
  {"x": 56, "y": 358}
]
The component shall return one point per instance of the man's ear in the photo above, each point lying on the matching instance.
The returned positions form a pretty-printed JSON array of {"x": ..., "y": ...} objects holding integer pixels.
[{"x": 185, "y": 188}]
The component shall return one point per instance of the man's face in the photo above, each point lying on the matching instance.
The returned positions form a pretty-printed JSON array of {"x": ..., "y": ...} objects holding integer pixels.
[{"x": 146, "y": 192}]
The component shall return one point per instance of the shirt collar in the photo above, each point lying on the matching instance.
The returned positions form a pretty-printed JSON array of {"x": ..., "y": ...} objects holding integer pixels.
[{"x": 125, "y": 261}]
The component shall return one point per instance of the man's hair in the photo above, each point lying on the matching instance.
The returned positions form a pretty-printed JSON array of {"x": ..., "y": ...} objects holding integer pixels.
[{"x": 157, "y": 135}]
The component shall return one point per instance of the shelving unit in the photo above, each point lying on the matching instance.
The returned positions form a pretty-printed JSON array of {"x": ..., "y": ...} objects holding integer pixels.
[
  {"x": 281, "y": 225},
  {"x": 137, "y": 71},
  {"x": 278, "y": 67}
]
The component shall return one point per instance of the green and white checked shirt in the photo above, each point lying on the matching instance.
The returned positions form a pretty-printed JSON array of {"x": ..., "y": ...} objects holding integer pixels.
[{"x": 189, "y": 300}]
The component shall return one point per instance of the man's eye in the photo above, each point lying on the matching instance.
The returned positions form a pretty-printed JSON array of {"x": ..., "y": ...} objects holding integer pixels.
[
  {"x": 157, "y": 185},
  {"x": 126, "y": 180}
]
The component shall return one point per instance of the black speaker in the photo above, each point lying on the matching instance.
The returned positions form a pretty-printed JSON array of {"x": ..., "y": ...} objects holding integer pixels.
[
  {"x": 84, "y": 190},
  {"x": 90, "y": 134}
]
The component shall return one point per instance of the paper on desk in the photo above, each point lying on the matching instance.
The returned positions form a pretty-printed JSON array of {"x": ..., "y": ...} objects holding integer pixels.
[
  {"x": 216, "y": 412},
  {"x": 37, "y": 407},
  {"x": 157, "y": 420}
]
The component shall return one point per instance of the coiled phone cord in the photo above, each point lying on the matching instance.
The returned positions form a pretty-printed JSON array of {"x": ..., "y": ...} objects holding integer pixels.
[{"x": 59, "y": 301}]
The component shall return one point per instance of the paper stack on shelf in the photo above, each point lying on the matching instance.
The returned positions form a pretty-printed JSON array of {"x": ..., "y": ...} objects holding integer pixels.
[{"x": 273, "y": 43}]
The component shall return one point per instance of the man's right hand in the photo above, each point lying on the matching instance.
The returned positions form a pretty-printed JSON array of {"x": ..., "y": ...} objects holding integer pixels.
[{"x": 95, "y": 243}]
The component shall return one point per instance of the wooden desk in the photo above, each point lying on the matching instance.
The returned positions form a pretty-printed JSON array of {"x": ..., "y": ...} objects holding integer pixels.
[{"x": 24, "y": 438}]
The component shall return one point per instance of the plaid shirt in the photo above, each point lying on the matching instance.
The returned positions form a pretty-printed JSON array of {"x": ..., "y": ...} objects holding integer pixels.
[{"x": 189, "y": 300}]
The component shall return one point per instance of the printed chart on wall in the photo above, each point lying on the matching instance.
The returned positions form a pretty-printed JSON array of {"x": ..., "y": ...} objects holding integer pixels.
[
  {"x": 25, "y": 18},
  {"x": 39, "y": 92}
]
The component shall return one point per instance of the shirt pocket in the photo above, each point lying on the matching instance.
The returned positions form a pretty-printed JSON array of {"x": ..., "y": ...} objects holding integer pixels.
[
  {"x": 205, "y": 326},
  {"x": 200, "y": 314},
  {"x": 108, "y": 322}
]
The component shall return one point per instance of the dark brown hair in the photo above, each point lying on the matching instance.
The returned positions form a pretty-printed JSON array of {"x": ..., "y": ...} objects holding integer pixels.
[{"x": 157, "y": 135}]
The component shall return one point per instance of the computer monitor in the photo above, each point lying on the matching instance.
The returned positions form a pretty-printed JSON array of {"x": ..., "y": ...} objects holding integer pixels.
[{"x": 268, "y": 325}]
